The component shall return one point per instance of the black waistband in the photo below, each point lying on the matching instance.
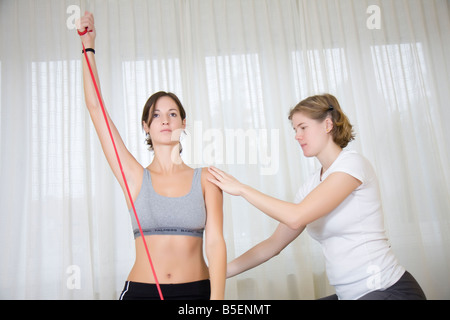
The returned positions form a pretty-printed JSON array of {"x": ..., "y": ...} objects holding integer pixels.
[
  {"x": 170, "y": 231},
  {"x": 197, "y": 290}
]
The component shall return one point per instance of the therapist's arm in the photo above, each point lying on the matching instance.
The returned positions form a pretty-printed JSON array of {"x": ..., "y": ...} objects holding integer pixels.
[
  {"x": 264, "y": 250},
  {"x": 322, "y": 200}
]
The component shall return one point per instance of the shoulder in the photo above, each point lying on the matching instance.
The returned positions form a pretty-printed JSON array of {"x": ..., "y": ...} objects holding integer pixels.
[
  {"x": 205, "y": 174},
  {"x": 212, "y": 194},
  {"x": 206, "y": 184},
  {"x": 350, "y": 156},
  {"x": 354, "y": 164}
]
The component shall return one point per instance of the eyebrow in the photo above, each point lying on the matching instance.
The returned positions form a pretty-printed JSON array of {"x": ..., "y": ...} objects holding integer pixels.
[{"x": 173, "y": 109}]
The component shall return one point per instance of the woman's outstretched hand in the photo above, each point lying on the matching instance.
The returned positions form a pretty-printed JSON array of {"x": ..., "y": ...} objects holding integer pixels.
[
  {"x": 226, "y": 182},
  {"x": 86, "y": 23}
]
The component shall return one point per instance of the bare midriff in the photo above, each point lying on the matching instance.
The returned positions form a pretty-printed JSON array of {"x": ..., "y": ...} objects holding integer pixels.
[{"x": 176, "y": 259}]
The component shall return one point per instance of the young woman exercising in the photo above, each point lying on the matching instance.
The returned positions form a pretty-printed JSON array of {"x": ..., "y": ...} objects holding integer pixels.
[{"x": 175, "y": 204}]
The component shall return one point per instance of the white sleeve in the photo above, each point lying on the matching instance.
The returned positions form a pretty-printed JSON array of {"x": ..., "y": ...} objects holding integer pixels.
[
  {"x": 355, "y": 165},
  {"x": 306, "y": 188}
]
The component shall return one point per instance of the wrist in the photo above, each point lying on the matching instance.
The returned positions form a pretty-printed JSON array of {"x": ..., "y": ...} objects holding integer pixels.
[
  {"x": 243, "y": 190},
  {"x": 88, "y": 44},
  {"x": 88, "y": 50},
  {"x": 231, "y": 270}
]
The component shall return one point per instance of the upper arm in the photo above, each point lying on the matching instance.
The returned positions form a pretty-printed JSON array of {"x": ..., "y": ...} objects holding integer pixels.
[
  {"x": 326, "y": 197},
  {"x": 132, "y": 169},
  {"x": 214, "y": 208}
]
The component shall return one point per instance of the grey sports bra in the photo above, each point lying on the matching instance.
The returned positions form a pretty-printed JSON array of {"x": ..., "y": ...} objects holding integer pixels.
[{"x": 162, "y": 215}]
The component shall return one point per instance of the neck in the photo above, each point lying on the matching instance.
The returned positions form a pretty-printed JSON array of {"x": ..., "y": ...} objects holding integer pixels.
[
  {"x": 167, "y": 159},
  {"x": 328, "y": 156}
]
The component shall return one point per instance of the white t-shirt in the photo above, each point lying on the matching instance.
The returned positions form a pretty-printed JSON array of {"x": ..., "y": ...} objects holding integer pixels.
[{"x": 357, "y": 253}]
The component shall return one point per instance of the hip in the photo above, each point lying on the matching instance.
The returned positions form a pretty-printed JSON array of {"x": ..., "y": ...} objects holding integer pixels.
[{"x": 197, "y": 290}]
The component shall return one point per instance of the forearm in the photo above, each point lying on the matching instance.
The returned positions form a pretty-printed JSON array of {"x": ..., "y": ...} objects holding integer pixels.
[
  {"x": 217, "y": 260},
  {"x": 267, "y": 249},
  {"x": 90, "y": 93},
  {"x": 250, "y": 259},
  {"x": 285, "y": 212},
  {"x": 87, "y": 35}
]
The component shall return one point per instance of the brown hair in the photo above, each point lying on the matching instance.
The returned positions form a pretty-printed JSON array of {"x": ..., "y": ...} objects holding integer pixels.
[
  {"x": 319, "y": 107},
  {"x": 149, "y": 111}
]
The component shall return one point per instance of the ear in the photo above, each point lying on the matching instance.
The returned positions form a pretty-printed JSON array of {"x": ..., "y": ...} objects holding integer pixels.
[
  {"x": 184, "y": 124},
  {"x": 145, "y": 126},
  {"x": 328, "y": 125}
]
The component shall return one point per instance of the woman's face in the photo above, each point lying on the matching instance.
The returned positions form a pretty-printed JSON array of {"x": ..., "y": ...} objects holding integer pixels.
[
  {"x": 312, "y": 135},
  {"x": 167, "y": 124}
]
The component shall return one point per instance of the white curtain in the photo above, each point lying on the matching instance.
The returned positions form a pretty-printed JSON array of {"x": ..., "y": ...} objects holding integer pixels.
[{"x": 238, "y": 67}]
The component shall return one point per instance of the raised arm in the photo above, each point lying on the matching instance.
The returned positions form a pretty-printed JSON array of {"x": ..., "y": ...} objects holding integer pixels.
[{"x": 132, "y": 169}]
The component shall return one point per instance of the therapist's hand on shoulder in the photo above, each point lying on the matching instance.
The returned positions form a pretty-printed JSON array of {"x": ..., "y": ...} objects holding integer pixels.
[{"x": 226, "y": 182}]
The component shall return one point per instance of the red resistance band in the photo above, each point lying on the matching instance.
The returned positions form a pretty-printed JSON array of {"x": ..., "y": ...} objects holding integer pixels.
[{"x": 120, "y": 165}]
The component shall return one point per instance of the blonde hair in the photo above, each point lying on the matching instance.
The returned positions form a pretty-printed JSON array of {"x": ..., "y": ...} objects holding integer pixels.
[{"x": 319, "y": 107}]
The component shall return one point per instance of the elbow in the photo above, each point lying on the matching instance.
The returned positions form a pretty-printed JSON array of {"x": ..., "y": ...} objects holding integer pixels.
[
  {"x": 214, "y": 247},
  {"x": 93, "y": 106},
  {"x": 90, "y": 106},
  {"x": 91, "y": 102},
  {"x": 296, "y": 218},
  {"x": 276, "y": 253},
  {"x": 295, "y": 222}
]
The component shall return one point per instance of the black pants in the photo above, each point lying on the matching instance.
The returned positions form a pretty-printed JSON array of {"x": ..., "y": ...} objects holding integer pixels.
[
  {"x": 406, "y": 288},
  {"x": 198, "y": 290}
]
